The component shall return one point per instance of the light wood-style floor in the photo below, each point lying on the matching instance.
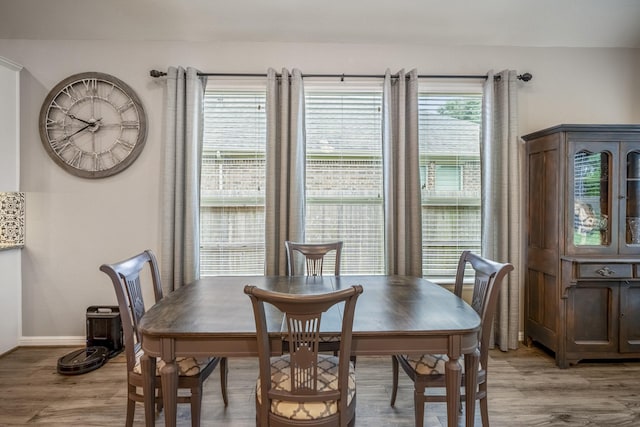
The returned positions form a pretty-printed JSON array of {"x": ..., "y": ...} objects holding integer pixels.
[{"x": 525, "y": 389}]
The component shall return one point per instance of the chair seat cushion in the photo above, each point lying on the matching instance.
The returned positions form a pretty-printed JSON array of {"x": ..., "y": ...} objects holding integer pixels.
[
  {"x": 187, "y": 366},
  {"x": 327, "y": 380},
  {"x": 330, "y": 338},
  {"x": 429, "y": 364}
]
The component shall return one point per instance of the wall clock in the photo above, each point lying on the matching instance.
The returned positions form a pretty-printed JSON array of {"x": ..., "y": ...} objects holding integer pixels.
[{"x": 93, "y": 125}]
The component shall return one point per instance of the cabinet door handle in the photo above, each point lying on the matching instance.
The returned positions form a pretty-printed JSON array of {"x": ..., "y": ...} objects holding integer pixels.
[{"x": 605, "y": 272}]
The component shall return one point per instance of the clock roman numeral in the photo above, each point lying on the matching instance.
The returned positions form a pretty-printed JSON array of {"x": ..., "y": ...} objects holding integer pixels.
[
  {"x": 126, "y": 144},
  {"x": 97, "y": 162},
  {"x": 54, "y": 104},
  {"x": 76, "y": 159},
  {"x": 130, "y": 124},
  {"x": 115, "y": 158},
  {"x": 125, "y": 106},
  {"x": 78, "y": 93},
  {"x": 110, "y": 92},
  {"x": 71, "y": 93},
  {"x": 60, "y": 145},
  {"x": 53, "y": 124},
  {"x": 90, "y": 86}
]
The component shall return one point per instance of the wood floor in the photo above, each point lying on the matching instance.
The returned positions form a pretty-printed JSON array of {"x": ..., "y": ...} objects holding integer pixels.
[{"x": 525, "y": 389}]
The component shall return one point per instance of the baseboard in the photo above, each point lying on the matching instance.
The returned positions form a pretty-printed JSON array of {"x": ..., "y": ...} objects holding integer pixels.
[{"x": 79, "y": 341}]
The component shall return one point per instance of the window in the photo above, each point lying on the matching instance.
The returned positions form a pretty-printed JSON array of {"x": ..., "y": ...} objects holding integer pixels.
[
  {"x": 232, "y": 181},
  {"x": 449, "y": 132},
  {"x": 344, "y": 173},
  {"x": 448, "y": 178}
]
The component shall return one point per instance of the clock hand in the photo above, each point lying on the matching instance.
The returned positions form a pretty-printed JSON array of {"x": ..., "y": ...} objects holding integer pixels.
[
  {"x": 78, "y": 118},
  {"x": 90, "y": 123},
  {"x": 78, "y": 131}
]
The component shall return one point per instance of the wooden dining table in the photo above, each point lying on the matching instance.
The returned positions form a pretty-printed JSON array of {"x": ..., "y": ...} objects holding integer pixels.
[{"x": 394, "y": 315}]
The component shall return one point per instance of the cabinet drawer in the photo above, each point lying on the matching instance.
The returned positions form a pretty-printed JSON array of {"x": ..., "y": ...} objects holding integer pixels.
[{"x": 604, "y": 271}]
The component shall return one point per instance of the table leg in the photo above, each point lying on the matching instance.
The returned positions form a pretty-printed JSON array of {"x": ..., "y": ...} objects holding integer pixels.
[
  {"x": 471, "y": 362},
  {"x": 169, "y": 377},
  {"x": 453, "y": 376},
  {"x": 148, "y": 366}
]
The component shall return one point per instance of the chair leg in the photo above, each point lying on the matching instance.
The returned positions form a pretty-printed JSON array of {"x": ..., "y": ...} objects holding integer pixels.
[
  {"x": 131, "y": 410},
  {"x": 224, "y": 371},
  {"x": 196, "y": 405},
  {"x": 148, "y": 364},
  {"x": 394, "y": 386},
  {"x": 418, "y": 403},
  {"x": 159, "y": 401},
  {"x": 484, "y": 412},
  {"x": 484, "y": 404}
]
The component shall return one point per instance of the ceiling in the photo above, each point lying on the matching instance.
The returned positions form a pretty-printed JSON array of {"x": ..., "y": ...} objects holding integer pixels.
[{"x": 542, "y": 23}]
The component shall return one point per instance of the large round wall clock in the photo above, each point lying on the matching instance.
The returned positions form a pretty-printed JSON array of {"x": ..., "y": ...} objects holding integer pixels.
[{"x": 93, "y": 125}]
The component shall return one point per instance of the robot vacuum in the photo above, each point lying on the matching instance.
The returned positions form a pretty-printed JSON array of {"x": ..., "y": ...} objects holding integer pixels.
[{"x": 83, "y": 360}]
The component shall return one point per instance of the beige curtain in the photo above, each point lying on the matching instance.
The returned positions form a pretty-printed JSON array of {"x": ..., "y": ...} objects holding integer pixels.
[
  {"x": 501, "y": 154},
  {"x": 285, "y": 198},
  {"x": 403, "y": 212},
  {"x": 180, "y": 258}
]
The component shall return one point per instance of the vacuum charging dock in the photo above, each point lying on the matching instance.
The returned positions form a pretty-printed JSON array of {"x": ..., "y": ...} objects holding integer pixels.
[{"x": 104, "y": 341}]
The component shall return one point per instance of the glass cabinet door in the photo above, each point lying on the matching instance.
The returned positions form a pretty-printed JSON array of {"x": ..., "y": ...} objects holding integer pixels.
[
  {"x": 592, "y": 190},
  {"x": 632, "y": 223}
]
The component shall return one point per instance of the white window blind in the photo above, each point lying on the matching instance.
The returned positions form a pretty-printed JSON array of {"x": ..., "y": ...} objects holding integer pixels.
[
  {"x": 449, "y": 132},
  {"x": 232, "y": 182},
  {"x": 344, "y": 174}
]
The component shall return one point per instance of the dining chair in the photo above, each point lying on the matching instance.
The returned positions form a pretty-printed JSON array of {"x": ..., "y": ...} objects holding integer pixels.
[
  {"x": 126, "y": 277},
  {"x": 314, "y": 256},
  {"x": 304, "y": 387},
  {"x": 427, "y": 370}
]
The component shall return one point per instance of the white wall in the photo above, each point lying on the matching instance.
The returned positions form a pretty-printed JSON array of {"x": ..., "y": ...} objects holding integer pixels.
[
  {"x": 10, "y": 260},
  {"x": 74, "y": 224}
]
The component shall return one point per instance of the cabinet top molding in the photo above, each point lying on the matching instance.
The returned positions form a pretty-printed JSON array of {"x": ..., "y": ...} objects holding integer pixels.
[{"x": 582, "y": 128}]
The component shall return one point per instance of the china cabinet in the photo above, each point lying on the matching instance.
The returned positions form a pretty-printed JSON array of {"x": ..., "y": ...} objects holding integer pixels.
[{"x": 582, "y": 273}]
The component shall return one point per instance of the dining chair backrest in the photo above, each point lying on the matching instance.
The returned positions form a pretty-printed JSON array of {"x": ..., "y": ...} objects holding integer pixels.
[
  {"x": 314, "y": 255},
  {"x": 302, "y": 315},
  {"x": 488, "y": 276}
]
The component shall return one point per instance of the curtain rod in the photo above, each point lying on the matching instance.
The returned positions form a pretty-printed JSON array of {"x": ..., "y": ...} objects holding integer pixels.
[{"x": 525, "y": 77}]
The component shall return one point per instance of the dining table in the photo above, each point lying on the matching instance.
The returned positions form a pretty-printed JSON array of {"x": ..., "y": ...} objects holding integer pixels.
[{"x": 394, "y": 315}]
